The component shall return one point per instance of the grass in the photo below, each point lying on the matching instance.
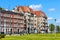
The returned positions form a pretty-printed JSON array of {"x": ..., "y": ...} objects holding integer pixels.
[{"x": 33, "y": 37}]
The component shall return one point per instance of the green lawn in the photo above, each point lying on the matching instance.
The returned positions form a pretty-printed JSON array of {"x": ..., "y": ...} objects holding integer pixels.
[{"x": 33, "y": 37}]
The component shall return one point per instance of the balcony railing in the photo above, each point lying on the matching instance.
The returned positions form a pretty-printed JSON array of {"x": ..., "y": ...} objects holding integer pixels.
[
  {"x": 19, "y": 17},
  {"x": 6, "y": 15},
  {"x": 7, "y": 25},
  {"x": 5, "y": 21},
  {"x": 20, "y": 21}
]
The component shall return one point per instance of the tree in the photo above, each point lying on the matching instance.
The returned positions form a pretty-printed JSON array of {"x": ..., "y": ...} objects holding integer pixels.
[
  {"x": 57, "y": 28},
  {"x": 51, "y": 27},
  {"x": 1, "y": 8}
]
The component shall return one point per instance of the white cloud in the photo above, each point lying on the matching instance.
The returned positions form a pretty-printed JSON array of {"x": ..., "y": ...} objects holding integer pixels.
[
  {"x": 50, "y": 18},
  {"x": 36, "y": 7},
  {"x": 51, "y": 9},
  {"x": 6, "y": 9},
  {"x": 58, "y": 21}
]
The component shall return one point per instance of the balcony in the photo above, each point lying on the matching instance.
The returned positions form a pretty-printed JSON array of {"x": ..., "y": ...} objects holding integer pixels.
[
  {"x": 32, "y": 22},
  {"x": 32, "y": 18},
  {"x": 46, "y": 25},
  {"x": 15, "y": 25},
  {"x": 21, "y": 25},
  {"x": 27, "y": 17},
  {"x": 15, "y": 21},
  {"x": 5, "y": 25},
  {"x": 6, "y": 15},
  {"x": 5, "y": 20},
  {"x": 18, "y": 17},
  {"x": 20, "y": 21},
  {"x": 1, "y": 25},
  {"x": 8, "y": 25}
]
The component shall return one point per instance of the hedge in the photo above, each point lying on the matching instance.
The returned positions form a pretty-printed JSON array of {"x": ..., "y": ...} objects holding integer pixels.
[{"x": 2, "y": 36}]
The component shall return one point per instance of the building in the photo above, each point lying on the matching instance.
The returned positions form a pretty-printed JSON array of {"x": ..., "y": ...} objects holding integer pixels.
[
  {"x": 33, "y": 20},
  {"x": 28, "y": 17},
  {"x": 41, "y": 22},
  {"x": 22, "y": 19},
  {"x": 11, "y": 22}
]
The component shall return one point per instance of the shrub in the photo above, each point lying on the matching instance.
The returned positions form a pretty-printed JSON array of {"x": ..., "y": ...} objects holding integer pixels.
[{"x": 2, "y": 36}]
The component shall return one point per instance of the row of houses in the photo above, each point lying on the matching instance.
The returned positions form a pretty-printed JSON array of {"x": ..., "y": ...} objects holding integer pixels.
[{"x": 23, "y": 19}]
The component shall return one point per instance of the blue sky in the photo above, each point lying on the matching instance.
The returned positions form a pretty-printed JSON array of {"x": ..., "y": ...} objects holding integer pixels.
[{"x": 50, "y": 7}]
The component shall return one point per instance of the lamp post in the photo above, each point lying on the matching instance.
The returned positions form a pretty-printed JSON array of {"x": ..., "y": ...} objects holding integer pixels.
[{"x": 55, "y": 26}]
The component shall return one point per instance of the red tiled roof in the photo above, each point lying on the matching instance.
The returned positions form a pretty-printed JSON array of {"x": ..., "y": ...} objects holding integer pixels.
[
  {"x": 43, "y": 14},
  {"x": 37, "y": 13},
  {"x": 25, "y": 8},
  {"x": 31, "y": 11},
  {"x": 40, "y": 13}
]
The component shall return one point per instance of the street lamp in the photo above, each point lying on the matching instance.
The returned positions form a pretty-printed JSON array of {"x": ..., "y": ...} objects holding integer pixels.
[{"x": 55, "y": 25}]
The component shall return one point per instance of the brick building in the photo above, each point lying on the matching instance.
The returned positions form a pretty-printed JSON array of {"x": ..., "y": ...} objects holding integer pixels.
[{"x": 11, "y": 22}]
